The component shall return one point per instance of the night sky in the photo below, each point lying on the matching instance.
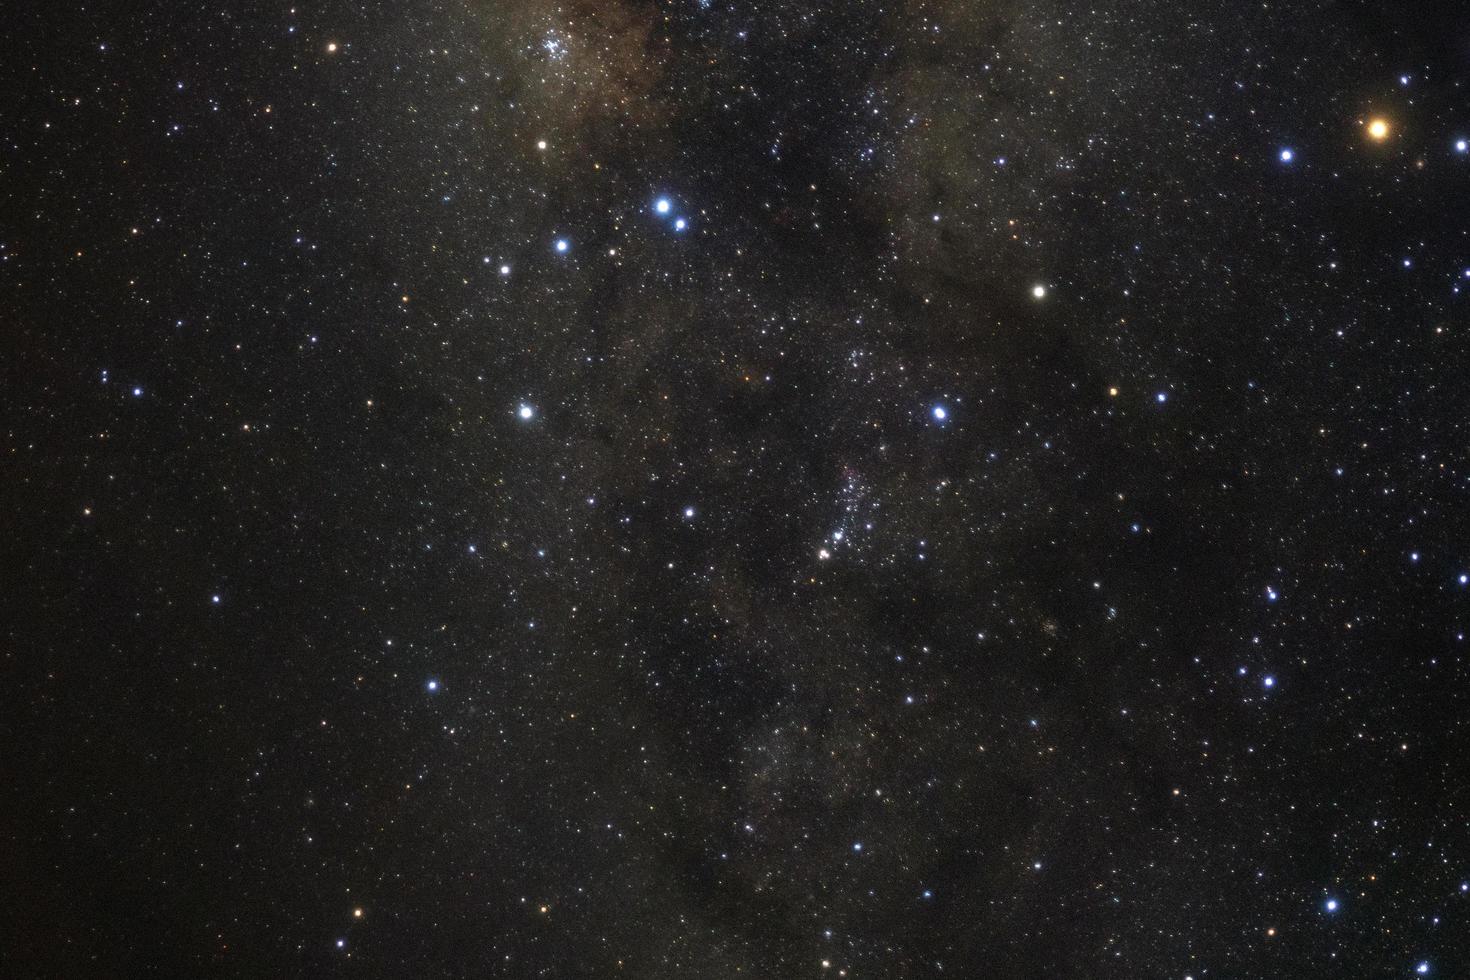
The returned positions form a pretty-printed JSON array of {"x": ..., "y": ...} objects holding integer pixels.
[{"x": 723, "y": 489}]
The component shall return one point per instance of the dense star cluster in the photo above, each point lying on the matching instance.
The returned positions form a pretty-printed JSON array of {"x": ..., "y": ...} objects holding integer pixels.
[{"x": 724, "y": 489}]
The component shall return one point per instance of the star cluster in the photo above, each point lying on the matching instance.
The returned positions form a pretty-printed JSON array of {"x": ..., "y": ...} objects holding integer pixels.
[{"x": 714, "y": 489}]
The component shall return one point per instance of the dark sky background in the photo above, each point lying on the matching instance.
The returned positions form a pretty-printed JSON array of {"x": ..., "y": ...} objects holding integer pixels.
[{"x": 726, "y": 489}]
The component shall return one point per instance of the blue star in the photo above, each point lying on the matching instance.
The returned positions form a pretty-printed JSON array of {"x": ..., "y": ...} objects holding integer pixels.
[
  {"x": 1423, "y": 968},
  {"x": 1268, "y": 681},
  {"x": 680, "y": 224},
  {"x": 1161, "y": 397},
  {"x": 858, "y": 847},
  {"x": 1462, "y": 146},
  {"x": 562, "y": 245},
  {"x": 662, "y": 205},
  {"x": 1331, "y": 905},
  {"x": 1287, "y": 155},
  {"x": 940, "y": 413},
  {"x": 137, "y": 392},
  {"x": 432, "y": 686}
]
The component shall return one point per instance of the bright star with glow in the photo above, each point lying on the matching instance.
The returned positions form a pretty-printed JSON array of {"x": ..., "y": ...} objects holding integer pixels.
[
  {"x": 662, "y": 205},
  {"x": 137, "y": 392},
  {"x": 1287, "y": 155},
  {"x": 680, "y": 224},
  {"x": 1268, "y": 681},
  {"x": 562, "y": 245},
  {"x": 432, "y": 686},
  {"x": 1462, "y": 146},
  {"x": 526, "y": 412},
  {"x": 689, "y": 513},
  {"x": 1038, "y": 291},
  {"x": 1161, "y": 397},
  {"x": 505, "y": 270},
  {"x": 1331, "y": 905},
  {"x": 858, "y": 846},
  {"x": 940, "y": 413},
  {"x": 1378, "y": 129},
  {"x": 1423, "y": 968}
]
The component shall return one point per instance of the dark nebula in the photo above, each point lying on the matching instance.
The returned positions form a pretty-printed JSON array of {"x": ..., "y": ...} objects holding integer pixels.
[{"x": 725, "y": 489}]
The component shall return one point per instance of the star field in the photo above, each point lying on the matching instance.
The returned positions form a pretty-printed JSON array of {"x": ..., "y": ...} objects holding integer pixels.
[{"x": 697, "y": 488}]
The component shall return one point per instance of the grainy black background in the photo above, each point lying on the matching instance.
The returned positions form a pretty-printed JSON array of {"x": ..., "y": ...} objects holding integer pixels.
[{"x": 388, "y": 593}]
